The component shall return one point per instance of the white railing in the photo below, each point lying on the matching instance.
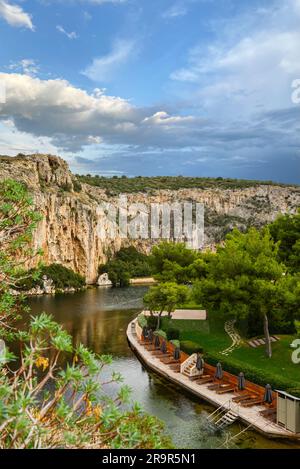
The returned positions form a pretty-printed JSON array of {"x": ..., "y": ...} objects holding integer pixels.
[{"x": 191, "y": 360}]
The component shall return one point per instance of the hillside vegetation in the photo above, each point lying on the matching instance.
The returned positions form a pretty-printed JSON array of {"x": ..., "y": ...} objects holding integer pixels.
[{"x": 117, "y": 185}]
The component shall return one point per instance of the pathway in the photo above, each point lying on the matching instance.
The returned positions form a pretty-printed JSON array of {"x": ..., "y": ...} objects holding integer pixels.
[{"x": 234, "y": 335}]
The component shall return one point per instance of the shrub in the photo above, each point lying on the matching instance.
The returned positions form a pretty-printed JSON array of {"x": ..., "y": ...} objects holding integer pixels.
[
  {"x": 190, "y": 347},
  {"x": 161, "y": 333},
  {"x": 173, "y": 333},
  {"x": 77, "y": 186},
  {"x": 142, "y": 321},
  {"x": 176, "y": 343},
  {"x": 61, "y": 276},
  {"x": 152, "y": 322}
]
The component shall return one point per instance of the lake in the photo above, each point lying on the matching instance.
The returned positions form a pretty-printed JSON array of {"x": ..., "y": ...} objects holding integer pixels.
[{"x": 98, "y": 317}]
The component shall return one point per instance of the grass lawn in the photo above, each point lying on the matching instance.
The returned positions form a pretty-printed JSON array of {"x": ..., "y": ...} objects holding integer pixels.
[{"x": 211, "y": 336}]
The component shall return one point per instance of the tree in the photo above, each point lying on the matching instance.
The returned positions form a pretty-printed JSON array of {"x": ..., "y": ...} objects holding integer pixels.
[
  {"x": 171, "y": 262},
  {"x": 52, "y": 393},
  {"x": 286, "y": 231},
  {"x": 165, "y": 297},
  {"x": 246, "y": 280}
]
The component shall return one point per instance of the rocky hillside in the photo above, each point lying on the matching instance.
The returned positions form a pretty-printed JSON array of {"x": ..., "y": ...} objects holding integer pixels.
[{"x": 69, "y": 232}]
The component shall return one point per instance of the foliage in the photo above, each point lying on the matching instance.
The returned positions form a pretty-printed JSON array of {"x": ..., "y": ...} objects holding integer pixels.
[
  {"x": 52, "y": 393},
  {"x": 286, "y": 231},
  {"x": 127, "y": 263},
  {"x": 118, "y": 185},
  {"x": 61, "y": 276},
  {"x": 78, "y": 413},
  {"x": 161, "y": 333},
  {"x": 151, "y": 322},
  {"x": 173, "y": 333},
  {"x": 142, "y": 321},
  {"x": 253, "y": 373},
  {"x": 165, "y": 297},
  {"x": 190, "y": 347},
  {"x": 245, "y": 280},
  {"x": 17, "y": 221},
  {"x": 175, "y": 342},
  {"x": 171, "y": 262}
]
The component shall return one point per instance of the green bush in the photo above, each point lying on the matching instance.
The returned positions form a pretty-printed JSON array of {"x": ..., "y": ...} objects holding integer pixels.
[
  {"x": 176, "y": 343},
  {"x": 61, "y": 276},
  {"x": 190, "y": 347},
  {"x": 173, "y": 333},
  {"x": 152, "y": 322},
  {"x": 142, "y": 321},
  {"x": 161, "y": 333}
]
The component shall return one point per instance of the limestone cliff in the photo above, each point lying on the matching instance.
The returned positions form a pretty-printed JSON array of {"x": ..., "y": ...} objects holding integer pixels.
[{"x": 69, "y": 231}]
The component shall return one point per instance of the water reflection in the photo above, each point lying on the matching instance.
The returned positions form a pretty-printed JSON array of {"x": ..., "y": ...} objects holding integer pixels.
[{"x": 98, "y": 318}]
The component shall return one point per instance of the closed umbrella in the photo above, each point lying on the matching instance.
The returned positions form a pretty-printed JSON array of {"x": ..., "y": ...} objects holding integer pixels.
[
  {"x": 164, "y": 347},
  {"x": 219, "y": 371},
  {"x": 176, "y": 353},
  {"x": 150, "y": 335},
  {"x": 241, "y": 382},
  {"x": 268, "y": 397},
  {"x": 157, "y": 341},
  {"x": 145, "y": 332},
  {"x": 199, "y": 363}
]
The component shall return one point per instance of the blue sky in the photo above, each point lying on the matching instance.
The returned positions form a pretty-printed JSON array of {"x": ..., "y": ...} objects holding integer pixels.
[{"x": 190, "y": 87}]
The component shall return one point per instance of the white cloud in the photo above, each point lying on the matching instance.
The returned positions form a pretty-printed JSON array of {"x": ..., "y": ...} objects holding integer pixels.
[
  {"x": 26, "y": 66},
  {"x": 237, "y": 75},
  {"x": 15, "y": 16},
  {"x": 71, "y": 118},
  {"x": 163, "y": 118},
  {"x": 103, "y": 68},
  {"x": 70, "y": 35},
  {"x": 176, "y": 10}
]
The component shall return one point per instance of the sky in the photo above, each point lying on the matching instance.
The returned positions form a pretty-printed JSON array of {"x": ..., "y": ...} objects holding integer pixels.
[{"x": 160, "y": 87}]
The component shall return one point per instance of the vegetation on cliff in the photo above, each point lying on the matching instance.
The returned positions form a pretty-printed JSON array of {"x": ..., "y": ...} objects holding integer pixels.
[{"x": 117, "y": 185}]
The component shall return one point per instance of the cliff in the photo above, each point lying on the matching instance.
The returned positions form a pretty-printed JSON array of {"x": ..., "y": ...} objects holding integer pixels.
[{"x": 69, "y": 231}]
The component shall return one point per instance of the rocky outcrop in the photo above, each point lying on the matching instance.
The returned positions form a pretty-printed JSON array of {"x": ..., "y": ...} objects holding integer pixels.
[{"x": 69, "y": 233}]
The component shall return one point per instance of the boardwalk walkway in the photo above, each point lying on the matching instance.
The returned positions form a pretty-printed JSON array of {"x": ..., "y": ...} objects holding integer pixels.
[{"x": 249, "y": 416}]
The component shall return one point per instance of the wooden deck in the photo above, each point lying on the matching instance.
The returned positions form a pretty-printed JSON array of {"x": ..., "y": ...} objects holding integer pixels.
[{"x": 248, "y": 415}]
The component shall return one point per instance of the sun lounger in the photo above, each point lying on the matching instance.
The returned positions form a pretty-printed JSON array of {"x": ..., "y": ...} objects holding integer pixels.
[
  {"x": 169, "y": 361},
  {"x": 241, "y": 397},
  {"x": 166, "y": 356},
  {"x": 213, "y": 387},
  {"x": 205, "y": 380},
  {"x": 175, "y": 368},
  {"x": 225, "y": 389},
  {"x": 252, "y": 402},
  {"x": 196, "y": 377}
]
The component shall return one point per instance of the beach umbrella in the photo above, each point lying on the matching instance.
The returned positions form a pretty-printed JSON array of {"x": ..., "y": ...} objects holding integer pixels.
[
  {"x": 164, "y": 347},
  {"x": 241, "y": 382},
  {"x": 268, "y": 397},
  {"x": 199, "y": 363},
  {"x": 157, "y": 341},
  {"x": 219, "y": 371},
  {"x": 176, "y": 353},
  {"x": 150, "y": 335}
]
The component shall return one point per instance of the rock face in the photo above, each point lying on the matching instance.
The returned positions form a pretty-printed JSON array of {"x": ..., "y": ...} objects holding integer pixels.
[{"x": 71, "y": 232}]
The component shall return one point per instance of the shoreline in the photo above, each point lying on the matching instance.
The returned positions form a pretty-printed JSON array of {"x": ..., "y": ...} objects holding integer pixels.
[{"x": 250, "y": 417}]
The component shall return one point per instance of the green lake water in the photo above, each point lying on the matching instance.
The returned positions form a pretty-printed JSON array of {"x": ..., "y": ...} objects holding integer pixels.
[{"x": 98, "y": 317}]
